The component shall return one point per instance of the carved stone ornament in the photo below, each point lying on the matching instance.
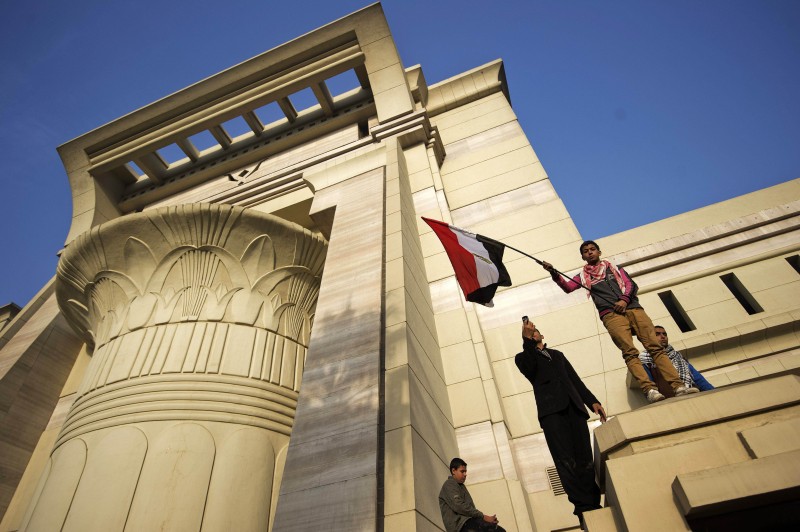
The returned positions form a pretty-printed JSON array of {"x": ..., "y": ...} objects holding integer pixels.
[{"x": 191, "y": 263}]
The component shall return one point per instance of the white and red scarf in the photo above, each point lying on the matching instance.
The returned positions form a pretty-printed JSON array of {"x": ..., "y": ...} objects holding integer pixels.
[
  {"x": 680, "y": 363},
  {"x": 593, "y": 274}
]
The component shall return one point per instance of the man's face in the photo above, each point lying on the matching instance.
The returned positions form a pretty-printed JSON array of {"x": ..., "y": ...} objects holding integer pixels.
[
  {"x": 661, "y": 334},
  {"x": 537, "y": 336},
  {"x": 460, "y": 474},
  {"x": 590, "y": 253}
]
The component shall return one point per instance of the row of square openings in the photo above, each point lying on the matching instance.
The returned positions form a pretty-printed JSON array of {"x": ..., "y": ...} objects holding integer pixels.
[
  {"x": 739, "y": 291},
  {"x": 270, "y": 116}
]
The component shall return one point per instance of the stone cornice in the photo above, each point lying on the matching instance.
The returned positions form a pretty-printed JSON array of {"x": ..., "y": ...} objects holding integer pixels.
[
  {"x": 696, "y": 254},
  {"x": 467, "y": 87},
  {"x": 414, "y": 128},
  {"x": 106, "y": 185}
]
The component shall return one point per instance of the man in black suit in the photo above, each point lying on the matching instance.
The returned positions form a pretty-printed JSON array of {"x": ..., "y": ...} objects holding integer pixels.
[{"x": 560, "y": 398}]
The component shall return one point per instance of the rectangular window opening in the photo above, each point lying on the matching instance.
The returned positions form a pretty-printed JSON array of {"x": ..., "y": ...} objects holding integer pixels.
[
  {"x": 363, "y": 129},
  {"x": 794, "y": 261},
  {"x": 303, "y": 99},
  {"x": 172, "y": 154},
  {"x": 741, "y": 294},
  {"x": 236, "y": 128},
  {"x": 203, "y": 141},
  {"x": 344, "y": 82},
  {"x": 675, "y": 310},
  {"x": 271, "y": 115},
  {"x": 133, "y": 167}
]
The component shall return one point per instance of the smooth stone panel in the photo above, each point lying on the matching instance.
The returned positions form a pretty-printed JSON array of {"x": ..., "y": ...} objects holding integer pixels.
[
  {"x": 640, "y": 497},
  {"x": 172, "y": 490},
  {"x": 54, "y": 502},
  {"x": 241, "y": 485},
  {"x": 335, "y": 506},
  {"x": 778, "y": 437},
  {"x": 118, "y": 457},
  {"x": 335, "y": 440}
]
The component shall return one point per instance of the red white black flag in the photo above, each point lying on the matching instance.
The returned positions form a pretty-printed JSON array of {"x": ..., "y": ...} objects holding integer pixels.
[{"x": 476, "y": 259}]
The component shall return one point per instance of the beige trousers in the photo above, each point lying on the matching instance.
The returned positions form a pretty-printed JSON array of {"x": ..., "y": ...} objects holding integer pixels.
[{"x": 621, "y": 328}]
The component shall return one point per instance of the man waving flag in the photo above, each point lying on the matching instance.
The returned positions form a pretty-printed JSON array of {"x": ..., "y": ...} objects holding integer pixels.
[{"x": 477, "y": 261}]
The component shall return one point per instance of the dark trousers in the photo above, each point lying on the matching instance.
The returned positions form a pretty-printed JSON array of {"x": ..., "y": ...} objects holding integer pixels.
[
  {"x": 567, "y": 437},
  {"x": 477, "y": 524}
]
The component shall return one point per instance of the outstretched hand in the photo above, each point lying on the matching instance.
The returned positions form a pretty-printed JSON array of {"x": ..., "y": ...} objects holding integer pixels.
[{"x": 549, "y": 267}]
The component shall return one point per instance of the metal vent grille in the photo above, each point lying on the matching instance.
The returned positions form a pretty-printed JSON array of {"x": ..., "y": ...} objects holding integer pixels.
[{"x": 555, "y": 481}]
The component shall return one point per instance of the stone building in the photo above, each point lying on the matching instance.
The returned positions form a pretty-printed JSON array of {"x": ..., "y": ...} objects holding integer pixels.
[{"x": 263, "y": 334}]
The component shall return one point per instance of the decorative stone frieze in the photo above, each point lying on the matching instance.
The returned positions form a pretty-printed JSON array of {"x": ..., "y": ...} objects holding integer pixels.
[{"x": 191, "y": 263}]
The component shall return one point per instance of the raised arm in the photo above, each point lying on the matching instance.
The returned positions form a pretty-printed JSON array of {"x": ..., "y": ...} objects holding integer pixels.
[
  {"x": 526, "y": 361},
  {"x": 567, "y": 285}
]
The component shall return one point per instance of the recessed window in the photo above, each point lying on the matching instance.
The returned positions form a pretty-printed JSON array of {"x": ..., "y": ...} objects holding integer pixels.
[
  {"x": 363, "y": 129},
  {"x": 133, "y": 167},
  {"x": 344, "y": 82},
  {"x": 203, "y": 140},
  {"x": 675, "y": 310},
  {"x": 270, "y": 114},
  {"x": 303, "y": 99},
  {"x": 172, "y": 154},
  {"x": 741, "y": 294},
  {"x": 236, "y": 127},
  {"x": 794, "y": 261}
]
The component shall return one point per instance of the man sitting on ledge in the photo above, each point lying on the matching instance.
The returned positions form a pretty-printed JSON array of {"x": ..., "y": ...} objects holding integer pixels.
[
  {"x": 458, "y": 511},
  {"x": 690, "y": 376}
]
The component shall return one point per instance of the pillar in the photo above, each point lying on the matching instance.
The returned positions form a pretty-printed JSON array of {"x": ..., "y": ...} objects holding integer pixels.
[{"x": 199, "y": 317}]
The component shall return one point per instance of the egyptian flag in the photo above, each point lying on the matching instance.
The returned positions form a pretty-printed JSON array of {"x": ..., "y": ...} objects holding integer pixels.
[{"x": 476, "y": 259}]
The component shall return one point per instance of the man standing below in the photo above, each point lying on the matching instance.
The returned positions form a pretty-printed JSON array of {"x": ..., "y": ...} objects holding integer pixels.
[
  {"x": 560, "y": 398},
  {"x": 458, "y": 511},
  {"x": 690, "y": 376}
]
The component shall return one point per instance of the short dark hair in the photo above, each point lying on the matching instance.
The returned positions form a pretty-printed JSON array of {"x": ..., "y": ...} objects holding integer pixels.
[
  {"x": 660, "y": 327},
  {"x": 586, "y": 243},
  {"x": 456, "y": 462}
]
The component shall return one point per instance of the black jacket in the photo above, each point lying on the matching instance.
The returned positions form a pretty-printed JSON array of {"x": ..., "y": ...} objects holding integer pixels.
[{"x": 555, "y": 382}]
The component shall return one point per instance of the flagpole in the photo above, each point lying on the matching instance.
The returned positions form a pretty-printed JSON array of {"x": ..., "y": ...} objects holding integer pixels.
[
  {"x": 558, "y": 272},
  {"x": 542, "y": 263},
  {"x": 431, "y": 221}
]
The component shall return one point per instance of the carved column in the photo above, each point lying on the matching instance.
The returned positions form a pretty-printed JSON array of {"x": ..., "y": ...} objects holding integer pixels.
[{"x": 199, "y": 317}]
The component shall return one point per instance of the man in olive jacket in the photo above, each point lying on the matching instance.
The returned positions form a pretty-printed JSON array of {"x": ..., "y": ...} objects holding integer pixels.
[
  {"x": 458, "y": 511},
  {"x": 560, "y": 398}
]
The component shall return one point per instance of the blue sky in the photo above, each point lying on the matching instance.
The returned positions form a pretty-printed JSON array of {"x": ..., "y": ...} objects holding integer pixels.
[{"x": 638, "y": 109}]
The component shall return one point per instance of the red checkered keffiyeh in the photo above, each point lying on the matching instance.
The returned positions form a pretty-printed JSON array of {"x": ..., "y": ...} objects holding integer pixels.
[{"x": 591, "y": 275}]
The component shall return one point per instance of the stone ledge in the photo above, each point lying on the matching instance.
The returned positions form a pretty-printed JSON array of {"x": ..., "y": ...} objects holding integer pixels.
[
  {"x": 602, "y": 520},
  {"x": 684, "y": 413},
  {"x": 475, "y": 84},
  {"x": 772, "y": 439},
  {"x": 751, "y": 491},
  {"x": 754, "y": 340}
]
